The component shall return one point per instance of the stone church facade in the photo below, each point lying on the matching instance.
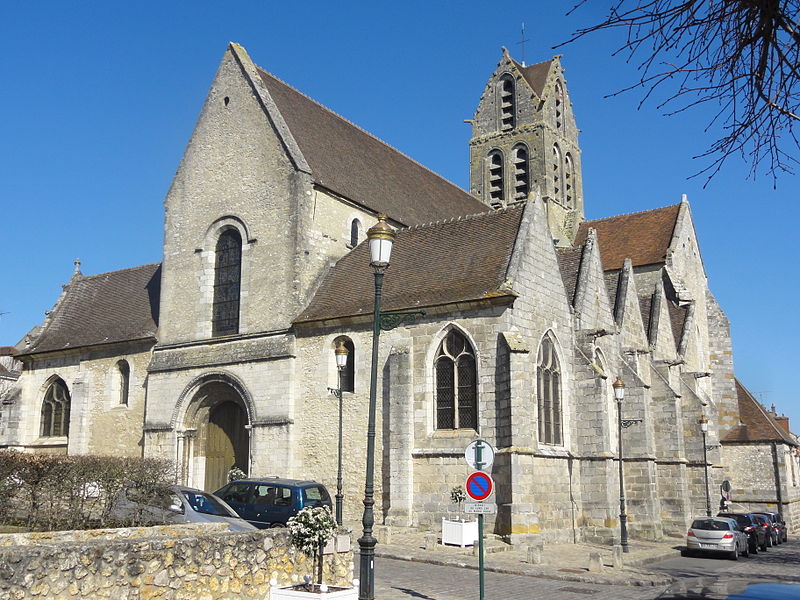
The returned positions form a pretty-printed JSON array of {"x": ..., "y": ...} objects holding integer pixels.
[{"x": 222, "y": 354}]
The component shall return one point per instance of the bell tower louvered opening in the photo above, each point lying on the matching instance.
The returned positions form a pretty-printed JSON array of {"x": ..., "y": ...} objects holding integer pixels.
[
  {"x": 507, "y": 109},
  {"x": 521, "y": 172},
  {"x": 497, "y": 194}
]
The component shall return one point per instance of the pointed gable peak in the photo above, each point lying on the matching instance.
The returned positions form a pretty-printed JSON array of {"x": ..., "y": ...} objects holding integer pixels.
[{"x": 538, "y": 75}]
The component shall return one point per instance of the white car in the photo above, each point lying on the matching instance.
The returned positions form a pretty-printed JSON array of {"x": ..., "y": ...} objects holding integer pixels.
[
  {"x": 716, "y": 534},
  {"x": 177, "y": 504}
]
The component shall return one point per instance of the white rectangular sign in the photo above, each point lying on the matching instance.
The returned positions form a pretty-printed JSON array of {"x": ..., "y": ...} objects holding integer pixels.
[{"x": 479, "y": 508}]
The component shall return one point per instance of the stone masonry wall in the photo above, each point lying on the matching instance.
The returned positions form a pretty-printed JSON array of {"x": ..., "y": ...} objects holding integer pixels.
[{"x": 203, "y": 562}]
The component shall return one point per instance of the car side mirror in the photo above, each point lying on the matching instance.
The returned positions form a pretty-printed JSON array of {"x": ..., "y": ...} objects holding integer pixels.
[{"x": 176, "y": 508}]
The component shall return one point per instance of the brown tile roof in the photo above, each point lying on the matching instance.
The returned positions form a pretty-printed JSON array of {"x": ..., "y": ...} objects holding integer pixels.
[
  {"x": 110, "y": 307},
  {"x": 535, "y": 75},
  {"x": 441, "y": 263},
  {"x": 757, "y": 424},
  {"x": 349, "y": 161},
  {"x": 569, "y": 263},
  {"x": 643, "y": 237},
  {"x": 7, "y": 350}
]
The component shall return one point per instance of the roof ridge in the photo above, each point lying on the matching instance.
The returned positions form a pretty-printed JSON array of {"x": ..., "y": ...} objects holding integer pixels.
[
  {"x": 85, "y": 277},
  {"x": 362, "y": 130},
  {"x": 639, "y": 212},
  {"x": 472, "y": 217}
]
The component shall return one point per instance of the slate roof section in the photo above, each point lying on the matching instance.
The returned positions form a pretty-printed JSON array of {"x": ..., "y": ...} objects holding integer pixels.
[
  {"x": 353, "y": 163},
  {"x": 535, "y": 75},
  {"x": 677, "y": 319},
  {"x": 569, "y": 263},
  {"x": 440, "y": 263},
  {"x": 118, "y": 306},
  {"x": 646, "y": 306},
  {"x": 612, "y": 284},
  {"x": 644, "y": 237},
  {"x": 757, "y": 424}
]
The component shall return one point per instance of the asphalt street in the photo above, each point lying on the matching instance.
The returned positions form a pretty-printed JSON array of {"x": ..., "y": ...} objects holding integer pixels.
[{"x": 405, "y": 580}]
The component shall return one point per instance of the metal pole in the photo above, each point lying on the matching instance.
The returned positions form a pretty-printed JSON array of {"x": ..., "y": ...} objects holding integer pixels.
[
  {"x": 480, "y": 554},
  {"x": 705, "y": 469},
  {"x": 339, "y": 495},
  {"x": 366, "y": 586},
  {"x": 623, "y": 518}
]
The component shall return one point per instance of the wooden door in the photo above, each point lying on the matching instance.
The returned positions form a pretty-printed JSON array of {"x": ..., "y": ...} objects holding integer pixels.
[{"x": 226, "y": 444}]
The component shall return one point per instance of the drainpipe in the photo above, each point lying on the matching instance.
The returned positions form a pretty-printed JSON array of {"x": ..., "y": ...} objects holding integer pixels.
[{"x": 777, "y": 470}]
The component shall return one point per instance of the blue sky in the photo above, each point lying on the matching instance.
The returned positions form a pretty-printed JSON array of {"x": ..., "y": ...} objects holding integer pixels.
[{"x": 99, "y": 100}]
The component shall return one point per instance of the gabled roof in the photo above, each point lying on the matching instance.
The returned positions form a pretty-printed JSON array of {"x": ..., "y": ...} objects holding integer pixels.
[
  {"x": 358, "y": 166},
  {"x": 644, "y": 237},
  {"x": 535, "y": 75},
  {"x": 441, "y": 263},
  {"x": 757, "y": 424},
  {"x": 569, "y": 263},
  {"x": 118, "y": 306}
]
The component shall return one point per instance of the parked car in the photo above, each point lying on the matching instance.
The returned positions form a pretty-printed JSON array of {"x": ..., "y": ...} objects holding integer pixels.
[
  {"x": 778, "y": 527},
  {"x": 176, "y": 504},
  {"x": 717, "y": 534},
  {"x": 272, "y": 501},
  {"x": 749, "y": 525},
  {"x": 766, "y": 524}
]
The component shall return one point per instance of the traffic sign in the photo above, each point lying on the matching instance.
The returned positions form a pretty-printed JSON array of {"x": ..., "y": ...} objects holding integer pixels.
[
  {"x": 479, "y": 486},
  {"x": 480, "y": 508},
  {"x": 480, "y": 448}
]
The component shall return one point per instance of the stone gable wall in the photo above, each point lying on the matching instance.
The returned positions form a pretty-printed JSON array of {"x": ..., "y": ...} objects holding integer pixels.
[{"x": 206, "y": 562}]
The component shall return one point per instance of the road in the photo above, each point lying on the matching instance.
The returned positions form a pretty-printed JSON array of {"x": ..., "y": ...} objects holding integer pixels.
[{"x": 403, "y": 580}]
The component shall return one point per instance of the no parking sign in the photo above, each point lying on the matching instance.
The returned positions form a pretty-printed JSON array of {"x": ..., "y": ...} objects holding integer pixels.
[{"x": 479, "y": 486}]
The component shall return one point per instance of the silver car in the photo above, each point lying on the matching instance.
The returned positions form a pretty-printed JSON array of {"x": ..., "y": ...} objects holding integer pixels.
[
  {"x": 716, "y": 534},
  {"x": 177, "y": 504}
]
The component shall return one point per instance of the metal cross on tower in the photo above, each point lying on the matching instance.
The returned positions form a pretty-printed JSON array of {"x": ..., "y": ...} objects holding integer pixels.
[{"x": 522, "y": 43}]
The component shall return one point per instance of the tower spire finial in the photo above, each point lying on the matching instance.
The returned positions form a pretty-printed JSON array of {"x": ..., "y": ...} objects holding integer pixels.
[{"x": 522, "y": 43}]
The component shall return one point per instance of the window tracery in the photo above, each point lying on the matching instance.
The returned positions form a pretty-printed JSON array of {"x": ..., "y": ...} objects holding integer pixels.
[
  {"x": 548, "y": 390},
  {"x": 55, "y": 410},
  {"x": 227, "y": 283},
  {"x": 456, "y": 383}
]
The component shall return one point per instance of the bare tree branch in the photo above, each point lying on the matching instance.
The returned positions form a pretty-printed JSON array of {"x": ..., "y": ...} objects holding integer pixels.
[{"x": 742, "y": 56}]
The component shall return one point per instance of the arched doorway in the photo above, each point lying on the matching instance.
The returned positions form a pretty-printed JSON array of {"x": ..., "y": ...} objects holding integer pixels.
[{"x": 226, "y": 444}]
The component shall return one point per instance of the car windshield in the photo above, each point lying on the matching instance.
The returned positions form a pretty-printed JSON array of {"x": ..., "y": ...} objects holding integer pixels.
[
  {"x": 206, "y": 504},
  {"x": 711, "y": 525}
]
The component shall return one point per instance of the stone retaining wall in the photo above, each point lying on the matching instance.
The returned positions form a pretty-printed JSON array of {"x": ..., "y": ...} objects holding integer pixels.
[{"x": 180, "y": 562}]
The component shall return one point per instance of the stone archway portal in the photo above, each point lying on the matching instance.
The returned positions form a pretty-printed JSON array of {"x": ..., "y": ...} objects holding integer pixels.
[{"x": 227, "y": 444}]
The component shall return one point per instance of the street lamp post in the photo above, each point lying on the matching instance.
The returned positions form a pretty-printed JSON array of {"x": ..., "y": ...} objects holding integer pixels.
[
  {"x": 341, "y": 362},
  {"x": 619, "y": 394},
  {"x": 704, "y": 430},
  {"x": 381, "y": 237}
]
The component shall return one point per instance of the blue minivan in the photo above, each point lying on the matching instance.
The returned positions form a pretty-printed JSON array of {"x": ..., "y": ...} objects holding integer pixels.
[{"x": 271, "y": 501}]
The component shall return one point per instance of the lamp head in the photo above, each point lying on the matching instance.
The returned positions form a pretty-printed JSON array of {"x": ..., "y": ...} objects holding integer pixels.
[
  {"x": 381, "y": 237},
  {"x": 619, "y": 389},
  {"x": 703, "y": 424},
  {"x": 341, "y": 353}
]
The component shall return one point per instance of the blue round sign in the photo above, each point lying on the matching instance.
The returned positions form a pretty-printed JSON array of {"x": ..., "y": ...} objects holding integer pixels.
[{"x": 479, "y": 486}]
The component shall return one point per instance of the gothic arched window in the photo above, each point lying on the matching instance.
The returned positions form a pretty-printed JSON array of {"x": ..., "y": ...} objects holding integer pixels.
[
  {"x": 548, "y": 392},
  {"x": 521, "y": 180},
  {"x": 348, "y": 374},
  {"x": 124, "y": 376},
  {"x": 507, "y": 103},
  {"x": 569, "y": 175},
  {"x": 355, "y": 232},
  {"x": 497, "y": 193},
  {"x": 456, "y": 383},
  {"x": 227, "y": 283},
  {"x": 558, "y": 172},
  {"x": 559, "y": 105},
  {"x": 55, "y": 410}
]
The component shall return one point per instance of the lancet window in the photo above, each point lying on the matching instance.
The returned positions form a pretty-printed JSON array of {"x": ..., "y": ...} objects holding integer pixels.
[
  {"x": 456, "y": 383},
  {"x": 507, "y": 103},
  {"x": 497, "y": 193},
  {"x": 521, "y": 172},
  {"x": 55, "y": 410},
  {"x": 227, "y": 283},
  {"x": 548, "y": 390}
]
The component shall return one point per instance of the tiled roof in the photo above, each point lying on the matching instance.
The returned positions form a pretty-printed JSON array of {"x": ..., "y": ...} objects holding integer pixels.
[
  {"x": 362, "y": 168},
  {"x": 7, "y": 350},
  {"x": 441, "y": 263},
  {"x": 535, "y": 75},
  {"x": 612, "y": 283},
  {"x": 677, "y": 319},
  {"x": 6, "y": 374},
  {"x": 757, "y": 424},
  {"x": 111, "y": 307},
  {"x": 643, "y": 237},
  {"x": 569, "y": 263},
  {"x": 646, "y": 305}
]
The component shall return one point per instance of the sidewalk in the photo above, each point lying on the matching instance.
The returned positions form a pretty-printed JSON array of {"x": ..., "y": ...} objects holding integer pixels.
[{"x": 564, "y": 562}]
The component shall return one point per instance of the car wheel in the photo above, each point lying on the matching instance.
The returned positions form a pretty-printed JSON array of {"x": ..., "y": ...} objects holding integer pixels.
[
  {"x": 684, "y": 552},
  {"x": 276, "y": 525},
  {"x": 746, "y": 551},
  {"x": 754, "y": 548},
  {"x": 764, "y": 546},
  {"x": 733, "y": 555},
  {"x": 769, "y": 541}
]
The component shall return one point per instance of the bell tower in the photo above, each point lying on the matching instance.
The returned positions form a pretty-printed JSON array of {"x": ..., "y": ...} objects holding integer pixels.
[{"x": 524, "y": 141}]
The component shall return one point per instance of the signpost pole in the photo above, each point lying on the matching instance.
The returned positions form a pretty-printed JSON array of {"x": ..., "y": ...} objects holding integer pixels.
[{"x": 479, "y": 466}]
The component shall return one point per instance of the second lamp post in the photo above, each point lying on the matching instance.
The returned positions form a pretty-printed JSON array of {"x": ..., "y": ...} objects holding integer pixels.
[
  {"x": 704, "y": 430},
  {"x": 341, "y": 363}
]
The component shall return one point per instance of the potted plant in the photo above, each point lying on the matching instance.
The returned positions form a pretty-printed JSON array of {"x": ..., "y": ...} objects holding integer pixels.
[
  {"x": 456, "y": 530},
  {"x": 310, "y": 530}
]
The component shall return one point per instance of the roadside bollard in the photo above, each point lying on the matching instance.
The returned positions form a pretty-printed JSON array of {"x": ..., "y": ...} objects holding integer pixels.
[
  {"x": 595, "y": 562},
  {"x": 535, "y": 555},
  {"x": 616, "y": 557},
  {"x": 431, "y": 541}
]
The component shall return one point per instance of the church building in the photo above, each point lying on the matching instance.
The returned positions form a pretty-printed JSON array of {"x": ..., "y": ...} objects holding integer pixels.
[{"x": 222, "y": 354}]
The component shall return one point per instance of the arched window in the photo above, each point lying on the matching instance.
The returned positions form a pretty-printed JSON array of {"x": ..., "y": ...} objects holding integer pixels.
[
  {"x": 227, "y": 281},
  {"x": 355, "y": 232},
  {"x": 569, "y": 173},
  {"x": 497, "y": 193},
  {"x": 348, "y": 374},
  {"x": 558, "y": 168},
  {"x": 521, "y": 182},
  {"x": 55, "y": 410},
  {"x": 548, "y": 390},
  {"x": 507, "y": 103},
  {"x": 124, "y": 375},
  {"x": 559, "y": 96},
  {"x": 456, "y": 384}
]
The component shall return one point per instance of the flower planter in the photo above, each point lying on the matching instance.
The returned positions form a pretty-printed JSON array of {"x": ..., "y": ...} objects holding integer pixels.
[
  {"x": 459, "y": 533},
  {"x": 293, "y": 592}
]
